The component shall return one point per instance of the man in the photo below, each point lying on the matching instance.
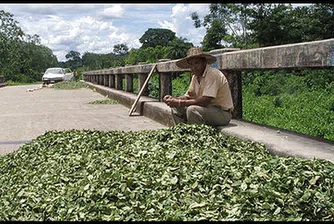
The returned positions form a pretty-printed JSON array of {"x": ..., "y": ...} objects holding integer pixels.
[
  {"x": 75, "y": 74},
  {"x": 208, "y": 99}
]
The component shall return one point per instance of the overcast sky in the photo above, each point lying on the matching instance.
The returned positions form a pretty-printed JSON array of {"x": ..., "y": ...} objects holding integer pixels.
[{"x": 96, "y": 28}]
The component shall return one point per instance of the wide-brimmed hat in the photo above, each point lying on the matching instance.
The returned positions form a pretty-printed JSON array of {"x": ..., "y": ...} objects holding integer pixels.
[{"x": 195, "y": 52}]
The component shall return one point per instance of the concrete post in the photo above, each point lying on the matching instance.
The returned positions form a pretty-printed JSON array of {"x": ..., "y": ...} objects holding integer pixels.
[
  {"x": 99, "y": 81},
  {"x": 129, "y": 83},
  {"x": 234, "y": 80},
  {"x": 119, "y": 81},
  {"x": 235, "y": 83},
  {"x": 141, "y": 80},
  {"x": 165, "y": 83},
  {"x": 106, "y": 80},
  {"x": 111, "y": 80}
]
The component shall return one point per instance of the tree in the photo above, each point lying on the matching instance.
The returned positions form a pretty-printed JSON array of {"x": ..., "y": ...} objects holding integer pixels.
[
  {"x": 271, "y": 24},
  {"x": 23, "y": 58},
  {"x": 121, "y": 49},
  {"x": 74, "y": 59},
  {"x": 226, "y": 25},
  {"x": 9, "y": 28},
  {"x": 322, "y": 20},
  {"x": 178, "y": 48},
  {"x": 154, "y": 37},
  {"x": 11, "y": 36},
  {"x": 35, "y": 59},
  {"x": 92, "y": 61},
  {"x": 259, "y": 25}
]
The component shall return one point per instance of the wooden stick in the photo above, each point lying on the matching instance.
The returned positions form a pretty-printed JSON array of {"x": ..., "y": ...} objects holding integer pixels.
[{"x": 142, "y": 89}]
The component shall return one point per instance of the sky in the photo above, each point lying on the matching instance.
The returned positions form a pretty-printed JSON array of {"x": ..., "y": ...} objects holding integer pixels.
[{"x": 96, "y": 28}]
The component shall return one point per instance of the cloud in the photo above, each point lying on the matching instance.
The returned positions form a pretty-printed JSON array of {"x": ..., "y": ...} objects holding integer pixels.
[
  {"x": 84, "y": 34},
  {"x": 182, "y": 24},
  {"x": 115, "y": 11}
]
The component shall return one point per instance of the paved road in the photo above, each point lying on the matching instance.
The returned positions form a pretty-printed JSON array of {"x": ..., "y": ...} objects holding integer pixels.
[{"x": 25, "y": 115}]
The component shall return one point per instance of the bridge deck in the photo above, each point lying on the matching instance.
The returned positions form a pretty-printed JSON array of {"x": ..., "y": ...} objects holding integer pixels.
[{"x": 25, "y": 115}]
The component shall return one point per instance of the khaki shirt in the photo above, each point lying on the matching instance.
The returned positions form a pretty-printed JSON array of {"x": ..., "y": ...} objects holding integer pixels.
[{"x": 213, "y": 84}]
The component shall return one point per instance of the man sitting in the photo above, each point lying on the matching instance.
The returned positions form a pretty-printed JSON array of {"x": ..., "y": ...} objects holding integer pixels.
[{"x": 208, "y": 99}]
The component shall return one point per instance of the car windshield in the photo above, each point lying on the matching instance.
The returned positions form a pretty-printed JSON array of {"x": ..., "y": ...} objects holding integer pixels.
[
  {"x": 68, "y": 70},
  {"x": 54, "y": 71}
]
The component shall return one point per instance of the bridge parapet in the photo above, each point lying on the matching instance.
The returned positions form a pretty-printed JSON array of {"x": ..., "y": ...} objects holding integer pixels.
[{"x": 232, "y": 61}]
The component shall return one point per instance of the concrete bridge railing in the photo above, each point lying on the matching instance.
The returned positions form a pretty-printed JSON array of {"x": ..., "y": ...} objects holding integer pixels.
[{"x": 231, "y": 61}]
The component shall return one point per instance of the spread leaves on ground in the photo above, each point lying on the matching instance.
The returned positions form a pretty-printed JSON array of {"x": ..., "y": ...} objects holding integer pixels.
[
  {"x": 69, "y": 85},
  {"x": 107, "y": 101},
  {"x": 185, "y": 172}
]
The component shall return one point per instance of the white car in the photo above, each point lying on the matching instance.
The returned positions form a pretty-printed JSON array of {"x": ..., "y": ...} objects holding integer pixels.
[{"x": 53, "y": 75}]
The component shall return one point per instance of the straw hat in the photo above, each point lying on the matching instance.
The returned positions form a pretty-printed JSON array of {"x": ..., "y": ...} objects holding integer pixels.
[{"x": 192, "y": 53}]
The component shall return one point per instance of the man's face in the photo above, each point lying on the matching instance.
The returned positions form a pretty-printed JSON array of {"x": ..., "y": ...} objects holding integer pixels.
[{"x": 197, "y": 65}]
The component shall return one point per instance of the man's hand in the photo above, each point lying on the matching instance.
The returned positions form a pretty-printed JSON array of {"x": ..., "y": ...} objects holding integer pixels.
[
  {"x": 173, "y": 102},
  {"x": 166, "y": 98}
]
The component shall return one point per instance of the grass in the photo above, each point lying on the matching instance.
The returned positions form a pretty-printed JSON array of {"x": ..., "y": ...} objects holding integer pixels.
[
  {"x": 303, "y": 103},
  {"x": 309, "y": 113}
]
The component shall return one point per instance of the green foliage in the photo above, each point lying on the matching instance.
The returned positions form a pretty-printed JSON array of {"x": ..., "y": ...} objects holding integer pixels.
[
  {"x": 298, "y": 101},
  {"x": 182, "y": 173},
  {"x": 159, "y": 44},
  {"x": 265, "y": 24},
  {"x": 180, "y": 84},
  {"x": 271, "y": 24},
  {"x": 147, "y": 55},
  {"x": 73, "y": 60},
  {"x": 9, "y": 28},
  {"x": 178, "y": 48},
  {"x": 226, "y": 23},
  {"x": 22, "y": 59},
  {"x": 213, "y": 37},
  {"x": 69, "y": 85},
  {"x": 155, "y": 36},
  {"x": 92, "y": 61},
  {"x": 321, "y": 24},
  {"x": 276, "y": 82},
  {"x": 121, "y": 49},
  {"x": 108, "y": 101},
  {"x": 153, "y": 86}
]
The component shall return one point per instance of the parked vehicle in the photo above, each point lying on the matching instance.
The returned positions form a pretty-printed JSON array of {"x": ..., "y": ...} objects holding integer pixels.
[{"x": 53, "y": 75}]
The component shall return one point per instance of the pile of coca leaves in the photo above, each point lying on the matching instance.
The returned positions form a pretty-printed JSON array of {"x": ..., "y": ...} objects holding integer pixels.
[{"x": 181, "y": 173}]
